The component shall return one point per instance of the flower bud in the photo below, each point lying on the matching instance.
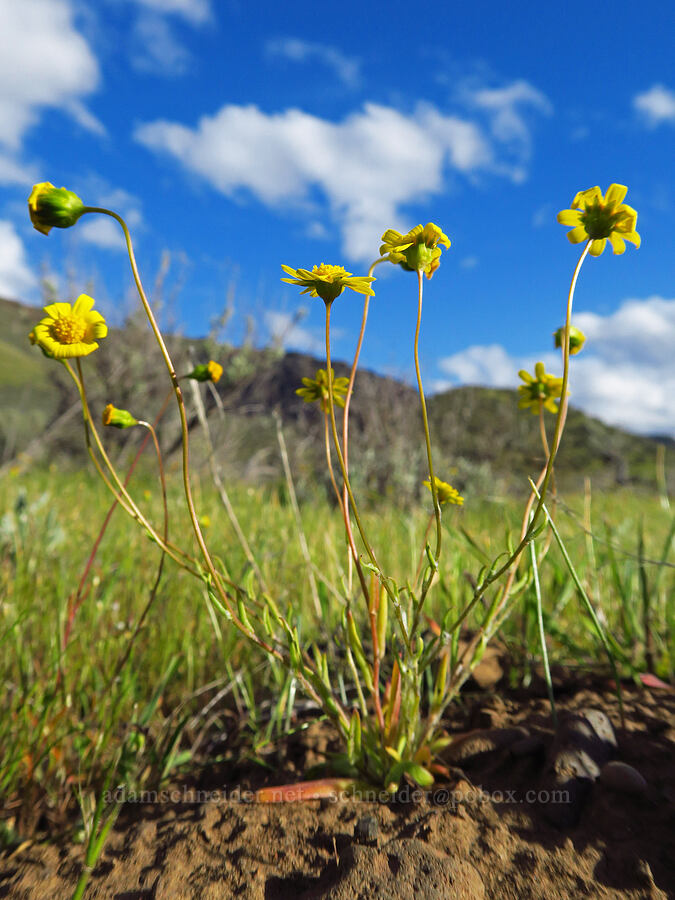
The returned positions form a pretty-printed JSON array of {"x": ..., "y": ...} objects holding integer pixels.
[
  {"x": 118, "y": 418},
  {"x": 577, "y": 338},
  {"x": 51, "y": 207},
  {"x": 210, "y": 371}
]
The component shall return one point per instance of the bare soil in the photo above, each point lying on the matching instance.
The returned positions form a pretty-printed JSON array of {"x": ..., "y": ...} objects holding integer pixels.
[{"x": 480, "y": 835}]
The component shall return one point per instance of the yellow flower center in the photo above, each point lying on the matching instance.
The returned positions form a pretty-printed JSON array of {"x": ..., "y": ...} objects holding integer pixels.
[
  {"x": 330, "y": 272},
  {"x": 69, "y": 329}
]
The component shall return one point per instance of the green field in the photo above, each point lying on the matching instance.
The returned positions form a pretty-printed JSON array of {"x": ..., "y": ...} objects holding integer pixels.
[{"x": 66, "y": 712}]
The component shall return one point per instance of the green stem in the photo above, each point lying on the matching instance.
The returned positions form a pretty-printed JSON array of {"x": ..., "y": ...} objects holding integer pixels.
[
  {"x": 345, "y": 477},
  {"x": 213, "y": 573},
  {"x": 427, "y": 438},
  {"x": 425, "y": 420},
  {"x": 341, "y": 461},
  {"x": 541, "y": 487}
]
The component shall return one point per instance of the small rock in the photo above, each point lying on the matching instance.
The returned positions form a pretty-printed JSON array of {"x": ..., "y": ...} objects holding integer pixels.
[
  {"x": 366, "y": 830},
  {"x": 583, "y": 742},
  {"x": 601, "y": 725},
  {"x": 619, "y": 776}
]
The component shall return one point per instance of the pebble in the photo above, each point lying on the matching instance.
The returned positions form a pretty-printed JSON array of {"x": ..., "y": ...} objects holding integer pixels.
[
  {"x": 583, "y": 743},
  {"x": 619, "y": 776},
  {"x": 366, "y": 830}
]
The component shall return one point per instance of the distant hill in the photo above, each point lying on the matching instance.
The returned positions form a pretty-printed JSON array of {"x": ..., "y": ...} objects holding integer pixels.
[{"x": 482, "y": 441}]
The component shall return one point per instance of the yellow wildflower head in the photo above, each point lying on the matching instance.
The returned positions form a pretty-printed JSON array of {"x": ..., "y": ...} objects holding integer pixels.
[
  {"x": 118, "y": 418},
  {"x": 68, "y": 331},
  {"x": 328, "y": 282},
  {"x": 446, "y": 492},
  {"x": 51, "y": 207},
  {"x": 317, "y": 389},
  {"x": 210, "y": 371},
  {"x": 598, "y": 219},
  {"x": 417, "y": 250},
  {"x": 540, "y": 389},
  {"x": 577, "y": 339}
]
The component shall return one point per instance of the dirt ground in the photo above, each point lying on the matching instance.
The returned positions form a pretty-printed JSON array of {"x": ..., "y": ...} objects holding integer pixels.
[{"x": 495, "y": 830}]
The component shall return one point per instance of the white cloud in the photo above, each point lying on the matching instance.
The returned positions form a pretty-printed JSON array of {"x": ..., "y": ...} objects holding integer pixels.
[
  {"x": 366, "y": 167},
  {"x": 102, "y": 231},
  {"x": 14, "y": 172},
  {"x": 624, "y": 376},
  {"x": 469, "y": 262},
  {"x": 543, "y": 215},
  {"x": 156, "y": 49},
  {"x": 196, "y": 12},
  {"x": 296, "y": 50},
  {"x": 16, "y": 277},
  {"x": 285, "y": 331},
  {"x": 44, "y": 62},
  {"x": 657, "y": 105},
  {"x": 489, "y": 365},
  {"x": 509, "y": 110}
]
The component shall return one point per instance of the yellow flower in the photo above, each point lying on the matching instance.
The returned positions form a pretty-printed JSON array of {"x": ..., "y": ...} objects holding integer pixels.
[
  {"x": 540, "y": 388},
  {"x": 51, "y": 207},
  {"x": 417, "y": 250},
  {"x": 328, "y": 282},
  {"x": 118, "y": 418},
  {"x": 211, "y": 371},
  {"x": 577, "y": 338},
  {"x": 598, "y": 219},
  {"x": 69, "y": 331},
  {"x": 317, "y": 389},
  {"x": 446, "y": 492}
]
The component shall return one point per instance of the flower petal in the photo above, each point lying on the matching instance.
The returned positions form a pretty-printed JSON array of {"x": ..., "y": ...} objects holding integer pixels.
[
  {"x": 633, "y": 237},
  {"x": 83, "y": 304},
  {"x": 597, "y": 246},
  {"x": 577, "y": 235},
  {"x": 617, "y": 242},
  {"x": 587, "y": 198},
  {"x": 570, "y": 217},
  {"x": 615, "y": 194},
  {"x": 58, "y": 309}
]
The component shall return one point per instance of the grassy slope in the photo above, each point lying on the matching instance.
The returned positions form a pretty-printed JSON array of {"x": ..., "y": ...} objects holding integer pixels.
[{"x": 482, "y": 440}]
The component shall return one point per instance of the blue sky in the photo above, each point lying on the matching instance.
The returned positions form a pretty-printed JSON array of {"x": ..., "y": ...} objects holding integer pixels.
[{"x": 241, "y": 136}]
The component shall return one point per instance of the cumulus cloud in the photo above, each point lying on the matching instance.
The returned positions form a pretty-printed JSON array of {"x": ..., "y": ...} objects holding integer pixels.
[
  {"x": 296, "y": 50},
  {"x": 624, "y": 376},
  {"x": 657, "y": 105},
  {"x": 16, "y": 278},
  {"x": 197, "y": 12},
  {"x": 509, "y": 110},
  {"x": 102, "y": 231},
  {"x": 156, "y": 49},
  {"x": 365, "y": 167},
  {"x": 287, "y": 333},
  {"x": 44, "y": 63}
]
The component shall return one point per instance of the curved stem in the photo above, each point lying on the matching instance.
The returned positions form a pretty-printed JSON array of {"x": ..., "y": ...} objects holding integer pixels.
[
  {"x": 181, "y": 410},
  {"x": 329, "y": 463},
  {"x": 425, "y": 420},
  {"x": 352, "y": 374},
  {"x": 213, "y": 573},
  {"x": 345, "y": 476},
  {"x": 119, "y": 490},
  {"x": 460, "y": 671}
]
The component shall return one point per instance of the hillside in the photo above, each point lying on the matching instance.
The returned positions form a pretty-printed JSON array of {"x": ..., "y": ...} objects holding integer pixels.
[{"x": 482, "y": 440}]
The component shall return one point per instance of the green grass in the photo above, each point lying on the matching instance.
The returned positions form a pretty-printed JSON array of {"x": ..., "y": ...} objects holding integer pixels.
[{"x": 63, "y": 714}]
